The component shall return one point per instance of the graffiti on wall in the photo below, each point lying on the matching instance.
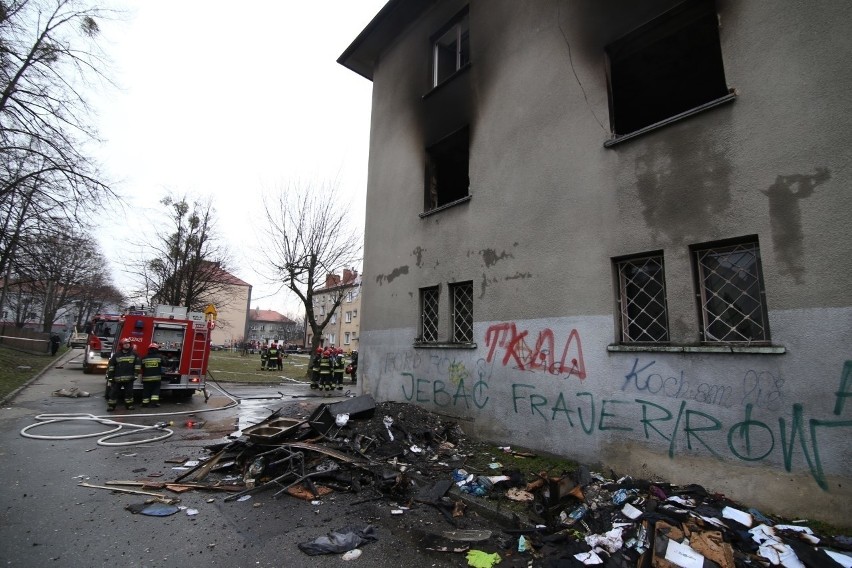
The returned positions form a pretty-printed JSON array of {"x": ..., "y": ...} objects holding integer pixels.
[
  {"x": 760, "y": 388},
  {"x": 667, "y": 408},
  {"x": 505, "y": 339}
]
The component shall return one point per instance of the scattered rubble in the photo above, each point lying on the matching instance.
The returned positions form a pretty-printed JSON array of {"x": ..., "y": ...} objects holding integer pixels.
[{"x": 413, "y": 458}]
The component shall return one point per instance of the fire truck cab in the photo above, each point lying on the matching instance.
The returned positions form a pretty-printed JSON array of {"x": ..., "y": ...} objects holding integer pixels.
[
  {"x": 101, "y": 331},
  {"x": 184, "y": 341}
]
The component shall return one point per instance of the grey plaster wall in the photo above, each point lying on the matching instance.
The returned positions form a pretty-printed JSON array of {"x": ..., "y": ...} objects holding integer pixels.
[{"x": 550, "y": 207}]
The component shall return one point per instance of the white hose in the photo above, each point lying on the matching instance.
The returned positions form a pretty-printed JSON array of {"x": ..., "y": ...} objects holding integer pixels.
[{"x": 44, "y": 419}]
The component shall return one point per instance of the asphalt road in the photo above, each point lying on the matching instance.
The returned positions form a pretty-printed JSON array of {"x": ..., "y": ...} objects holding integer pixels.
[{"x": 48, "y": 519}]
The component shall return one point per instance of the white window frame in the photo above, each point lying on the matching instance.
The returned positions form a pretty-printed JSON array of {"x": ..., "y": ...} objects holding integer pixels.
[{"x": 456, "y": 33}]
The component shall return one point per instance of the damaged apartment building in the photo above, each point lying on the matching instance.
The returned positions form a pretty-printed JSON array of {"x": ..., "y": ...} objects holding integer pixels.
[{"x": 620, "y": 234}]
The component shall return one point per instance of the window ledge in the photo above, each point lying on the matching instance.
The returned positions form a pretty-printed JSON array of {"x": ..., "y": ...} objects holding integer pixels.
[
  {"x": 464, "y": 199},
  {"x": 446, "y": 81},
  {"x": 708, "y": 105},
  {"x": 749, "y": 349},
  {"x": 442, "y": 345}
]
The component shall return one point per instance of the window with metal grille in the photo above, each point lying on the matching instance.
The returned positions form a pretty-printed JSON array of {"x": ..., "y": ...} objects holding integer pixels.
[
  {"x": 429, "y": 314},
  {"x": 461, "y": 297},
  {"x": 731, "y": 292},
  {"x": 642, "y": 299}
]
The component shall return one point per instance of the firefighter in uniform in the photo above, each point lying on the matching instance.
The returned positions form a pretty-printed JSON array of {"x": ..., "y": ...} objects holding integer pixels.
[
  {"x": 338, "y": 368},
  {"x": 272, "y": 357},
  {"x": 122, "y": 370},
  {"x": 152, "y": 374},
  {"x": 325, "y": 371},
  {"x": 264, "y": 357},
  {"x": 315, "y": 369}
]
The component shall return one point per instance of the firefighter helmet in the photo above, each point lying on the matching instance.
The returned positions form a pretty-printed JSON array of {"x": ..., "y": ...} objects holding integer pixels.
[
  {"x": 153, "y": 346},
  {"x": 319, "y": 350}
]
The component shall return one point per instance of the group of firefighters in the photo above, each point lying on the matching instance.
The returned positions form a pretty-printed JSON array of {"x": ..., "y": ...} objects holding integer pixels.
[
  {"x": 272, "y": 358},
  {"x": 123, "y": 368},
  {"x": 328, "y": 366}
]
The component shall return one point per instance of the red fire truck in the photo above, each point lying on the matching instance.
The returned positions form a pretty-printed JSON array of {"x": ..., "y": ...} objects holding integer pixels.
[
  {"x": 101, "y": 331},
  {"x": 184, "y": 341}
]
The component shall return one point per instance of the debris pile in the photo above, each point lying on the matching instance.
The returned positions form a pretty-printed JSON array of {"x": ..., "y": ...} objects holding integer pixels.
[{"x": 414, "y": 458}]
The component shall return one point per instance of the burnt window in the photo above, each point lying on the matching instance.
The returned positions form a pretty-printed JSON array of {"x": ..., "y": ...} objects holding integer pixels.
[
  {"x": 450, "y": 49},
  {"x": 666, "y": 67},
  {"x": 447, "y": 170}
]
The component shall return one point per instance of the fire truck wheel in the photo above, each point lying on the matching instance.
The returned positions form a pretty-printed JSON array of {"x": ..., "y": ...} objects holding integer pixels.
[{"x": 183, "y": 394}]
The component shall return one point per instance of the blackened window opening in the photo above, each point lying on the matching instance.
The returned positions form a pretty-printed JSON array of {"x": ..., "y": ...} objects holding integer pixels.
[
  {"x": 447, "y": 170},
  {"x": 667, "y": 66}
]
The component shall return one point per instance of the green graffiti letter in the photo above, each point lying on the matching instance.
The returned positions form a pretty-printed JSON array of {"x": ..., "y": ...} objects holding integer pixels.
[
  {"x": 845, "y": 384},
  {"x": 405, "y": 394},
  {"x": 690, "y": 429},
  {"x": 580, "y": 413},
  {"x": 560, "y": 406},
  {"x": 438, "y": 388}
]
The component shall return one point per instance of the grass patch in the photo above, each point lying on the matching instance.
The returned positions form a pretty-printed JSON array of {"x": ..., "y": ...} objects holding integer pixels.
[
  {"x": 17, "y": 367},
  {"x": 230, "y": 367}
]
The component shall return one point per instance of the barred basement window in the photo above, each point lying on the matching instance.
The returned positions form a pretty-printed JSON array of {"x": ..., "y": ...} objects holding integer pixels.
[
  {"x": 642, "y": 299},
  {"x": 732, "y": 297},
  {"x": 429, "y": 314},
  {"x": 461, "y": 297}
]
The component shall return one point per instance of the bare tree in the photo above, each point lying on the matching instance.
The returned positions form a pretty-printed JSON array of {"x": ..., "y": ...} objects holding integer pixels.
[
  {"x": 189, "y": 267},
  {"x": 307, "y": 238},
  {"x": 48, "y": 57},
  {"x": 53, "y": 268}
]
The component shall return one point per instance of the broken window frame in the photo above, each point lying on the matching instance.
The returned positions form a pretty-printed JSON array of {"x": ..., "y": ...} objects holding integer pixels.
[
  {"x": 642, "y": 304},
  {"x": 723, "y": 318},
  {"x": 451, "y": 48},
  {"x": 461, "y": 303},
  {"x": 648, "y": 70},
  {"x": 450, "y": 154},
  {"x": 429, "y": 314}
]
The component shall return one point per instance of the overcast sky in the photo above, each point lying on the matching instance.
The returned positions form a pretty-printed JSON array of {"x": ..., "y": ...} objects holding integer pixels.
[{"x": 232, "y": 100}]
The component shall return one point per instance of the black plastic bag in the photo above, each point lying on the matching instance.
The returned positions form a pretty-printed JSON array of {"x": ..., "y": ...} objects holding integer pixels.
[{"x": 341, "y": 540}]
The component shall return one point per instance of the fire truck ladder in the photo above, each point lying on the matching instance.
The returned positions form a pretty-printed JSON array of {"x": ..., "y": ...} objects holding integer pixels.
[{"x": 198, "y": 356}]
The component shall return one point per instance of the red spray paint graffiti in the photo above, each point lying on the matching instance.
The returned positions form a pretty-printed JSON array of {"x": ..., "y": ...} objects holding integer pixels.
[{"x": 542, "y": 356}]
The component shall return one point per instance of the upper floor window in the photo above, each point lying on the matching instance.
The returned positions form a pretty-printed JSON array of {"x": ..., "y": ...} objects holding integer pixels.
[
  {"x": 669, "y": 66},
  {"x": 354, "y": 313},
  {"x": 349, "y": 296},
  {"x": 731, "y": 294},
  {"x": 642, "y": 300},
  {"x": 461, "y": 298},
  {"x": 333, "y": 318},
  {"x": 429, "y": 314},
  {"x": 348, "y": 317},
  {"x": 450, "y": 49},
  {"x": 447, "y": 169},
  {"x": 346, "y": 338}
]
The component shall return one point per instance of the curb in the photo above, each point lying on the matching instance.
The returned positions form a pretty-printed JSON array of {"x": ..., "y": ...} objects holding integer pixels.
[{"x": 9, "y": 397}]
